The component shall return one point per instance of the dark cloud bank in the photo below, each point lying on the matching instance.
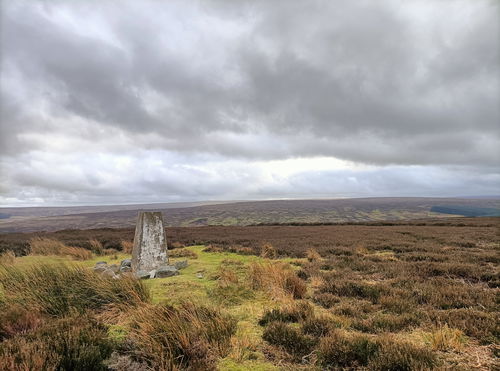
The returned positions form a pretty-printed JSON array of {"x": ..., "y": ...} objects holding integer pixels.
[{"x": 127, "y": 101}]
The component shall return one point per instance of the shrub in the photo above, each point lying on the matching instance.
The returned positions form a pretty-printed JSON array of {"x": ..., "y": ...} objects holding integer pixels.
[
  {"x": 58, "y": 289},
  {"x": 279, "y": 315},
  {"x": 17, "y": 320},
  {"x": 47, "y": 246},
  {"x": 319, "y": 326},
  {"x": 182, "y": 253},
  {"x": 353, "y": 289},
  {"x": 352, "y": 351},
  {"x": 312, "y": 255},
  {"x": 325, "y": 299},
  {"x": 396, "y": 303},
  {"x": 343, "y": 350},
  {"x": 22, "y": 354},
  {"x": 19, "y": 247},
  {"x": 213, "y": 249},
  {"x": 382, "y": 322},
  {"x": 294, "y": 312},
  {"x": 74, "y": 343},
  {"x": 120, "y": 362},
  {"x": 278, "y": 279},
  {"x": 176, "y": 245},
  {"x": 241, "y": 250},
  {"x": 446, "y": 294},
  {"x": 295, "y": 286},
  {"x": 395, "y": 355},
  {"x": 289, "y": 339},
  {"x": 303, "y": 275},
  {"x": 268, "y": 251},
  {"x": 354, "y": 308},
  {"x": 189, "y": 336},
  {"x": 112, "y": 243},
  {"x": 481, "y": 325}
]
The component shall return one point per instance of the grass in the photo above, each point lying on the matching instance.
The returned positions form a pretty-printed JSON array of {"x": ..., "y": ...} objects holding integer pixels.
[
  {"x": 188, "y": 336},
  {"x": 368, "y": 301},
  {"x": 47, "y": 246},
  {"x": 445, "y": 339},
  {"x": 46, "y": 282},
  {"x": 58, "y": 290}
]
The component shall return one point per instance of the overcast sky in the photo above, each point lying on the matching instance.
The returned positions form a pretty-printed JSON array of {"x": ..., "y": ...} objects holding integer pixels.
[{"x": 153, "y": 101}]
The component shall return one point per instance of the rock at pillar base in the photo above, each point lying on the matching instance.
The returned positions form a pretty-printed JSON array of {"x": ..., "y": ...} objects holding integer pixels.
[{"x": 150, "y": 244}]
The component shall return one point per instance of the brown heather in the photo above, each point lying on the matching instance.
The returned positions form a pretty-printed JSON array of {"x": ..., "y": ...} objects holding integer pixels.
[{"x": 389, "y": 296}]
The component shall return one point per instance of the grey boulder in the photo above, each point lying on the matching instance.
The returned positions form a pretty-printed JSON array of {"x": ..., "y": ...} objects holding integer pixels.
[
  {"x": 143, "y": 275},
  {"x": 100, "y": 268},
  {"x": 166, "y": 271},
  {"x": 126, "y": 263},
  {"x": 181, "y": 264},
  {"x": 109, "y": 273}
]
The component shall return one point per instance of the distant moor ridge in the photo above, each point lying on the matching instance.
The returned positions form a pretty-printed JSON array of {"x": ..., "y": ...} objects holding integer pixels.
[{"x": 247, "y": 213}]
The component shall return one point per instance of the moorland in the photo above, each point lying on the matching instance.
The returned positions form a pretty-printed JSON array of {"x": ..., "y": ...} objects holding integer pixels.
[
  {"x": 247, "y": 212},
  {"x": 405, "y": 295}
]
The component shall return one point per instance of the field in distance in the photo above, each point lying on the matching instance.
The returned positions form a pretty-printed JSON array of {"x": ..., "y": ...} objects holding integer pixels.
[{"x": 247, "y": 213}]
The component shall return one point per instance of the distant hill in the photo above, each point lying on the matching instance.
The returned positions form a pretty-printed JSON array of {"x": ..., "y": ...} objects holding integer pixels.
[
  {"x": 243, "y": 213},
  {"x": 466, "y": 210},
  {"x": 11, "y": 212}
]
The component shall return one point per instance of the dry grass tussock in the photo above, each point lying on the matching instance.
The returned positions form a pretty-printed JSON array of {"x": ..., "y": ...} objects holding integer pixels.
[
  {"x": 268, "y": 251},
  {"x": 67, "y": 325},
  {"x": 185, "y": 337},
  {"x": 58, "y": 290},
  {"x": 445, "y": 338},
  {"x": 96, "y": 247},
  {"x": 225, "y": 277},
  {"x": 313, "y": 255},
  {"x": 48, "y": 246},
  {"x": 278, "y": 279},
  {"x": 229, "y": 288},
  {"x": 127, "y": 246},
  {"x": 48, "y": 316},
  {"x": 7, "y": 258}
]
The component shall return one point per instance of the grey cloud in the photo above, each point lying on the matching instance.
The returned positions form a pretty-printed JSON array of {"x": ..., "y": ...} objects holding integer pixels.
[
  {"x": 340, "y": 71},
  {"x": 389, "y": 182},
  {"x": 369, "y": 82}
]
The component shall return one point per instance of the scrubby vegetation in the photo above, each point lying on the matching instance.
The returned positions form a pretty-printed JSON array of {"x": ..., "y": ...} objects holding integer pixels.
[
  {"x": 48, "y": 246},
  {"x": 60, "y": 317},
  {"x": 401, "y": 297},
  {"x": 188, "y": 336}
]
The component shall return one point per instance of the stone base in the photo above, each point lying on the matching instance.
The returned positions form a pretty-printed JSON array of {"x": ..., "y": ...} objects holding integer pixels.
[{"x": 162, "y": 271}]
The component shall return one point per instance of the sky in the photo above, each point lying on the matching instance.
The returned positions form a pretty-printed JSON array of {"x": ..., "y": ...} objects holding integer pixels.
[{"x": 110, "y": 102}]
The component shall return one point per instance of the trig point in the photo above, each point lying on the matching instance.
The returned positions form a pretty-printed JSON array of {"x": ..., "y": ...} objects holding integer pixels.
[{"x": 150, "y": 244}]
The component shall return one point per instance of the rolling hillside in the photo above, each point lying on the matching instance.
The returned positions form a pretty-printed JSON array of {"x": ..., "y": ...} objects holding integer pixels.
[{"x": 248, "y": 213}]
